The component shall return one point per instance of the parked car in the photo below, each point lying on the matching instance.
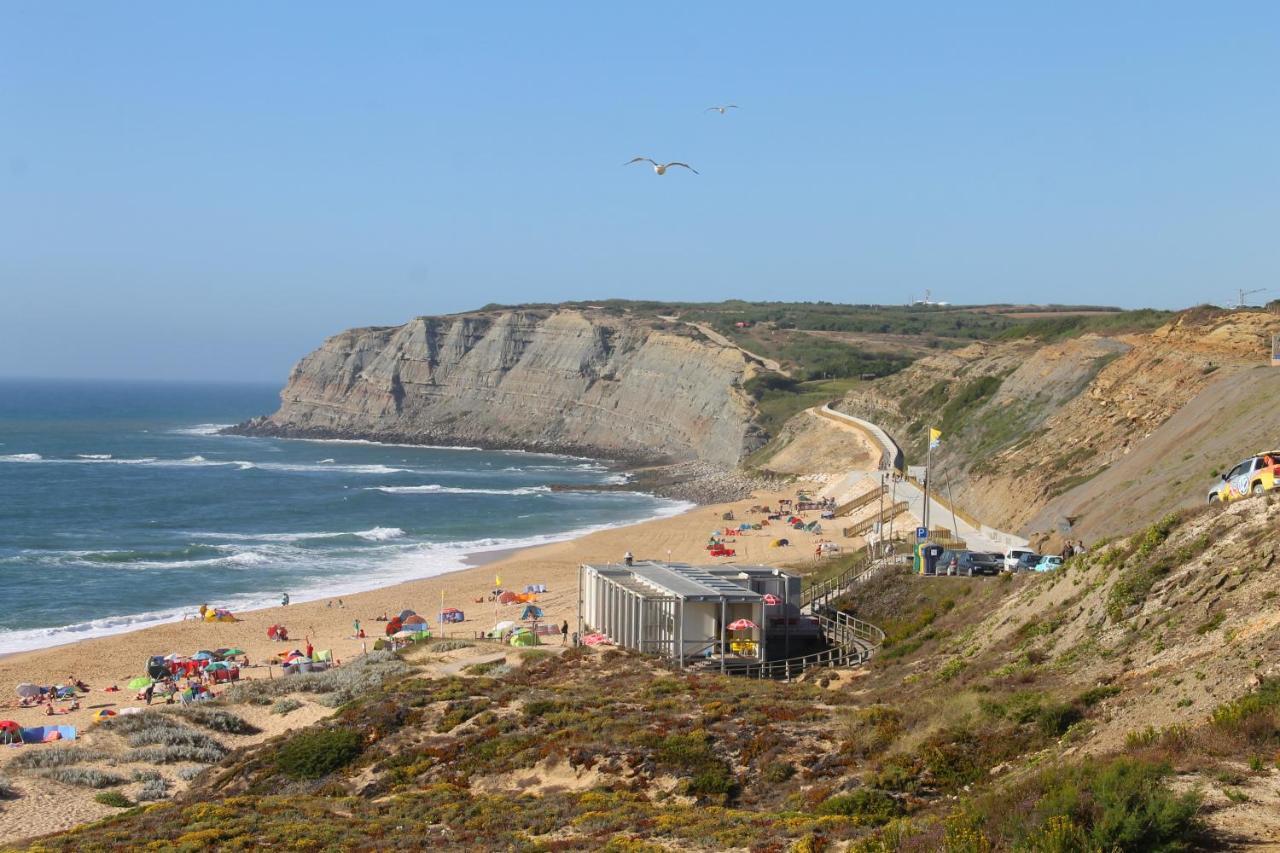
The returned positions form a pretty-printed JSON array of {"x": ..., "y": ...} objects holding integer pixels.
[
  {"x": 969, "y": 563},
  {"x": 988, "y": 564},
  {"x": 1020, "y": 559},
  {"x": 1048, "y": 563},
  {"x": 1253, "y": 476}
]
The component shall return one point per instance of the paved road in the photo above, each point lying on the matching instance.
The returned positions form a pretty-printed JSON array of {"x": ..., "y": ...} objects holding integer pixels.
[{"x": 980, "y": 537}]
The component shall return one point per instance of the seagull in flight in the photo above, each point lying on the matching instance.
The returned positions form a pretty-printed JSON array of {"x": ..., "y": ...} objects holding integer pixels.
[
  {"x": 721, "y": 109},
  {"x": 660, "y": 168}
]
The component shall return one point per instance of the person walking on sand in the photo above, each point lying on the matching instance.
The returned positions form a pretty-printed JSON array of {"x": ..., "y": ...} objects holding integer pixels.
[
  {"x": 355, "y": 628},
  {"x": 628, "y": 558},
  {"x": 564, "y": 632}
]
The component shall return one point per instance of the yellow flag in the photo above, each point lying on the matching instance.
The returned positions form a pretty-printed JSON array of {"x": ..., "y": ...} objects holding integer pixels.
[
  {"x": 497, "y": 581},
  {"x": 935, "y": 437}
]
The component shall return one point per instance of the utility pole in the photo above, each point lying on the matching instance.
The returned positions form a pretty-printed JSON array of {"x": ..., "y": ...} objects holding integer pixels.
[{"x": 1241, "y": 293}]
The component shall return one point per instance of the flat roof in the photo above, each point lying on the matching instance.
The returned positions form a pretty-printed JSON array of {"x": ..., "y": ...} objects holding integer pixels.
[{"x": 692, "y": 583}]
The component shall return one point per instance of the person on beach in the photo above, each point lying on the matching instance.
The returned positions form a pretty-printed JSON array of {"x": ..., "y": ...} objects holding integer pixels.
[
  {"x": 310, "y": 649},
  {"x": 564, "y": 632},
  {"x": 628, "y": 558},
  {"x": 284, "y": 599},
  {"x": 355, "y": 628}
]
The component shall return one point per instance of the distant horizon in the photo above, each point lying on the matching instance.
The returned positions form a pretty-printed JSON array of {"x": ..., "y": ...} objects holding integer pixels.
[{"x": 281, "y": 380}]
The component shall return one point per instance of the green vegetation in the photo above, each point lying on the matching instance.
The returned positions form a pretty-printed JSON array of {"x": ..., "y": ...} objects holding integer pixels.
[
  {"x": 115, "y": 799},
  {"x": 1140, "y": 571},
  {"x": 314, "y": 754},
  {"x": 1060, "y": 328}
]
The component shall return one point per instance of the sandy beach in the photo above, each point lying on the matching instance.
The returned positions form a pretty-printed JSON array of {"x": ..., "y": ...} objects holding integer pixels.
[{"x": 114, "y": 660}]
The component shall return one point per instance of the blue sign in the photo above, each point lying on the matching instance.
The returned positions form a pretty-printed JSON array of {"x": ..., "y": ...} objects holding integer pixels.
[{"x": 922, "y": 533}]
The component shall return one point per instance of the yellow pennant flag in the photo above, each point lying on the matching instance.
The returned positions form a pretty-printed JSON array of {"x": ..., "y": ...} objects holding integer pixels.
[{"x": 935, "y": 437}]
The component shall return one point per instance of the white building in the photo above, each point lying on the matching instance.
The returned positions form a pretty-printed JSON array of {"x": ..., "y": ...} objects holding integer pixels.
[{"x": 682, "y": 612}]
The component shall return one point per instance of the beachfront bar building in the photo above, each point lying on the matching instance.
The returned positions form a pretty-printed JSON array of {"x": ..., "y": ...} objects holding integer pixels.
[{"x": 683, "y": 612}]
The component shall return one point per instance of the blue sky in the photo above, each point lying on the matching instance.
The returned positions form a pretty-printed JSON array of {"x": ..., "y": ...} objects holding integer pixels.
[{"x": 209, "y": 190}]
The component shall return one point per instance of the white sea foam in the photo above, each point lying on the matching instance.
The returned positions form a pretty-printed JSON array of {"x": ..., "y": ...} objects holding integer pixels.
[
  {"x": 456, "y": 490},
  {"x": 324, "y": 461},
  {"x": 22, "y": 457},
  {"x": 381, "y": 534},
  {"x": 94, "y": 455},
  {"x": 201, "y": 429},
  {"x": 345, "y": 469}
]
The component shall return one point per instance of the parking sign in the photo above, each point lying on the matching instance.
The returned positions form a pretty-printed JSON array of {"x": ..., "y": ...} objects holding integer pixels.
[{"x": 922, "y": 533}]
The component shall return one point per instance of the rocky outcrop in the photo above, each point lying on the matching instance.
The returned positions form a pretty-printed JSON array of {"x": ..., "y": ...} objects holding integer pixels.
[{"x": 570, "y": 381}]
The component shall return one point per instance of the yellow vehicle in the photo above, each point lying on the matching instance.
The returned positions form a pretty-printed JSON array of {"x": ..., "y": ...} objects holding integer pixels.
[{"x": 1253, "y": 476}]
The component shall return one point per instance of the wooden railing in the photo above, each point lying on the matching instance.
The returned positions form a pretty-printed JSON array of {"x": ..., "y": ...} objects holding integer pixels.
[
  {"x": 868, "y": 524},
  {"x": 861, "y": 501}
]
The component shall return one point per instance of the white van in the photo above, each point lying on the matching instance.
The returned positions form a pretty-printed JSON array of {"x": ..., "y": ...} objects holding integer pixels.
[{"x": 1019, "y": 559}]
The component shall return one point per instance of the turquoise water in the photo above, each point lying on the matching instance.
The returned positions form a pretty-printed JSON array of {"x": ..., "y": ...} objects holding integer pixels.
[{"x": 120, "y": 507}]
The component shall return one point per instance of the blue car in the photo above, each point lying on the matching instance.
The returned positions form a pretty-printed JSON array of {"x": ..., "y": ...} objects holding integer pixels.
[{"x": 1047, "y": 564}]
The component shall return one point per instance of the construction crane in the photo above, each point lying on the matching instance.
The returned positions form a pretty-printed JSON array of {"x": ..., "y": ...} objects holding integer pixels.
[{"x": 1241, "y": 293}]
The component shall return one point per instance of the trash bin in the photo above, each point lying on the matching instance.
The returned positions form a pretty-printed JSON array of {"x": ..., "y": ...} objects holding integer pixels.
[{"x": 931, "y": 555}]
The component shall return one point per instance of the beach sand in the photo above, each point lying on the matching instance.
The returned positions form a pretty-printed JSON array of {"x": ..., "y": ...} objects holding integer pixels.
[{"x": 116, "y": 659}]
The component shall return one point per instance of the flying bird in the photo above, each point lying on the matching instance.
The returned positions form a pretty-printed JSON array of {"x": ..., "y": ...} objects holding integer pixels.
[
  {"x": 721, "y": 109},
  {"x": 660, "y": 168}
]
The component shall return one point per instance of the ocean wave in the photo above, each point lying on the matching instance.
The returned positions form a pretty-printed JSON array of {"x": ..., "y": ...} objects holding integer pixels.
[
  {"x": 376, "y": 534},
  {"x": 94, "y": 455},
  {"x": 409, "y": 562},
  {"x": 456, "y": 490},
  {"x": 22, "y": 457},
  {"x": 333, "y": 468},
  {"x": 201, "y": 429},
  {"x": 382, "y": 443}
]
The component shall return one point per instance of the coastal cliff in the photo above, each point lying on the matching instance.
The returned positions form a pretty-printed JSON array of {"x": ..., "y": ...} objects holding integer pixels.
[{"x": 569, "y": 381}]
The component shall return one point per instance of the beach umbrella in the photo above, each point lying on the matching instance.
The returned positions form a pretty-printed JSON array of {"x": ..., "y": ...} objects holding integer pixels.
[
  {"x": 415, "y": 619},
  {"x": 142, "y": 682},
  {"x": 26, "y": 690},
  {"x": 742, "y": 625},
  {"x": 771, "y": 600},
  {"x": 101, "y": 714},
  {"x": 403, "y": 635},
  {"x": 405, "y": 614},
  {"x": 216, "y": 667},
  {"x": 173, "y": 656},
  {"x": 202, "y": 655},
  {"x": 232, "y": 651}
]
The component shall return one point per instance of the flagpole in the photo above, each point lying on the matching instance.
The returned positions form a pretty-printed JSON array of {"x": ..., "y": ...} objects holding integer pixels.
[{"x": 928, "y": 456}]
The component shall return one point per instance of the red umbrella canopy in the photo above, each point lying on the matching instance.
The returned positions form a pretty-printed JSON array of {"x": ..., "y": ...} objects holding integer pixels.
[
  {"x": 771, "y": 599},
  {"x": 508, "y": 598},
  {"x": 742, "y": 625}
]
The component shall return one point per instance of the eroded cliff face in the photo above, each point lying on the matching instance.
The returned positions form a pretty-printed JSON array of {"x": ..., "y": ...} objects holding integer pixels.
[{"x": 555, "y": 380}]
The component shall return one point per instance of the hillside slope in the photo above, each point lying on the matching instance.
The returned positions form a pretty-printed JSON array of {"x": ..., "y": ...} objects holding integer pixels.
[
  {"x": 573, "y": 381},
  {"x": 1028, "y": 425}
]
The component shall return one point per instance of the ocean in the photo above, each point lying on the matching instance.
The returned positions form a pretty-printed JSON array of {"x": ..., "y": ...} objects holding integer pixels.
[{"x": 121, "y": 506}]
